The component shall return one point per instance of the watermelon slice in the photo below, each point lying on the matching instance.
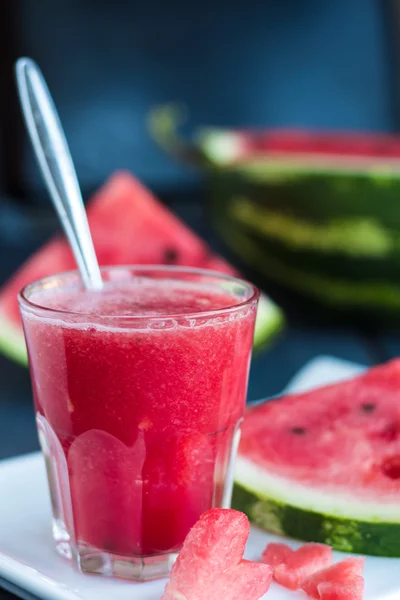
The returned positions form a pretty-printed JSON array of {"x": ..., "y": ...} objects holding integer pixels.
[
  {"x": 129, "y": 226},
  {"x": 344, "y": 573},
  {"x": 292, "y": 566},
  {"x": 324, "y": 466},
  {"x": 210, "y": 565}
]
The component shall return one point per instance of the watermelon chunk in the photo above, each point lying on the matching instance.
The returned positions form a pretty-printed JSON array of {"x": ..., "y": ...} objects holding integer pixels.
[
  {"x": 129, "y": 226},
  {"x": 345, "y": 572},
  {"x": 324, "y": 466},
  {"x": 351, "y": 589},
  {"x": 292, "y": 566},
  {"x": 211, "y": 565}
]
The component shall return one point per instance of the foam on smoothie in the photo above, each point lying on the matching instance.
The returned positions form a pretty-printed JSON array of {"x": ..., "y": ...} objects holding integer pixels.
[{"x": 137, "y": 298}]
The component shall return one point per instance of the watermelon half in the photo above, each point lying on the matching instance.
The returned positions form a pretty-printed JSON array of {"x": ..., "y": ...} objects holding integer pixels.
[
  {"x": 317, "y": 212},
  {"x": 324, "y": 466},
  {"x": 129, "y": 226}
]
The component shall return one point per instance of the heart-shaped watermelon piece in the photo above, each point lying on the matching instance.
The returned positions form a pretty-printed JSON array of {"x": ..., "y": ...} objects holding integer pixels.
[
  {"x": 292, "y": 566},
  {"x": 211, "y": 565}
]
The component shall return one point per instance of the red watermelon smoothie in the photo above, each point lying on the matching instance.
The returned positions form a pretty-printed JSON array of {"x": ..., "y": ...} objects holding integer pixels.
[{"x": 139, "y": 392}]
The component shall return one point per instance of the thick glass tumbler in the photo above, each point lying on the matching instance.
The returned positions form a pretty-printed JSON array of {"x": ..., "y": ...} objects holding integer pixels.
[{"x": 139, "y": 392}]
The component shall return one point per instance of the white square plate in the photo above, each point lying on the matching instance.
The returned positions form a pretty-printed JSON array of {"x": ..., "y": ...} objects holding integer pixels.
[{"x": 27, "y": 557}]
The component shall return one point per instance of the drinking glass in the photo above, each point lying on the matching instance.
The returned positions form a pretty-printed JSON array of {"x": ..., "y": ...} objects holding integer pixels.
[{"x": 139, "y": 393}]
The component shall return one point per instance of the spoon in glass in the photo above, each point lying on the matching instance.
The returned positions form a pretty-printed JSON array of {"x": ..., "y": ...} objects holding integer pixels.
[{"x": 55, "y": 162}]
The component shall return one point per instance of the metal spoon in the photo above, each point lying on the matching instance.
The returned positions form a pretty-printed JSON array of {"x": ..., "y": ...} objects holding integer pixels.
[{"x": 55, "y": 161}]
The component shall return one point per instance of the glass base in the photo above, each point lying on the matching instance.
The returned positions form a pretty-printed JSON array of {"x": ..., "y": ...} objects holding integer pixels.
[
  {"x": 136, "y": 568},
  {"x": 86, "y": 550}
]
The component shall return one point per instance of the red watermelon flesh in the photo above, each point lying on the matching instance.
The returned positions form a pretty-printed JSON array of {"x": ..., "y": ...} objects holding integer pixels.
[
  {"x": 352, "y": 589},
  {"x": 276, "y": 554},
  {"x": 301, "y": 144},
  {"x": 339, "y": 573},
  {"x": 343, "y": 438},
  {"x": 210, "y": 565},
  {"x": 292, "y": 566}
]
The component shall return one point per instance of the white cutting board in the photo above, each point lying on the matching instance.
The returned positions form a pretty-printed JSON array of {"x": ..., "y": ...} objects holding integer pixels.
[{"x": 27, "y": 557}]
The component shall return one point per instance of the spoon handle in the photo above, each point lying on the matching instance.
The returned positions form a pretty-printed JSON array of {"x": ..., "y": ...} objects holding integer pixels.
[{"x": 54, "y": 158}]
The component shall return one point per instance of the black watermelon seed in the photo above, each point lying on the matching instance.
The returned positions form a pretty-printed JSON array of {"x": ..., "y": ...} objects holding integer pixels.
[
  {"x": 368, "y": 407},
  {"x": 298, "y": 430},
  {"x": 170, "y": 255}
]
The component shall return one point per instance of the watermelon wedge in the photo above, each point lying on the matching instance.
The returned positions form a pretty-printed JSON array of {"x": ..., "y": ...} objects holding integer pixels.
[
  {"x": 333, "y": 579},
  {"x": 292, "y": 566},
  {"x": 210, "y": 565},
  {"x": 324, "y": 466},
  {"x": 129, "y": 226}
]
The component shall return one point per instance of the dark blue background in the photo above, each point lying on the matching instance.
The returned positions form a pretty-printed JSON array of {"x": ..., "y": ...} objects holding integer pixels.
[{"x": 313, "y": 63}]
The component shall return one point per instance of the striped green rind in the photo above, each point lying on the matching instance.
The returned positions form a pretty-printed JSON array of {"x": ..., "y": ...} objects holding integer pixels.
[
  {"x": 343, "y": 534},
  {"x": 356, "y": 250},
  {"x": 332, "y": 237},
  {"x": 335, "y": 291},
  {"x": 361, "y": 237}
]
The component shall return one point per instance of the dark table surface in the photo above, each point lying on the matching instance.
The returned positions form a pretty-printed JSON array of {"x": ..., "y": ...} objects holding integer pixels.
[{"x": 306, "y": 336}]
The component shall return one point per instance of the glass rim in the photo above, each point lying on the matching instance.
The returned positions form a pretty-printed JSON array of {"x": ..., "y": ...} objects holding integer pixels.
[{"x": 254, "y": 293}]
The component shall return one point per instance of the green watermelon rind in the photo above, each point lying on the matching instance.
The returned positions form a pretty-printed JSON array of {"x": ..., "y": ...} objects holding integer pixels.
[
  {"x": 331, "y": 290},
  {"x": 269, "y": 322},
  {"x": 12, "y": 342},
  {"x": 288, "y": 167},
  {"x": 356, "y": 237},
  {"x": 344, "y": 535},
  {"x": 347, "y": 524}
]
